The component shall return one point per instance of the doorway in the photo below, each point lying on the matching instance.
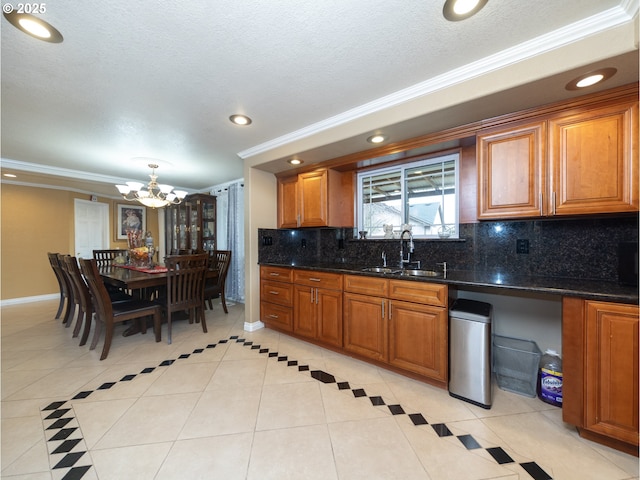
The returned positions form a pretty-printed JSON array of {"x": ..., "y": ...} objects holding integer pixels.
[{"x": 91, "y": 222}]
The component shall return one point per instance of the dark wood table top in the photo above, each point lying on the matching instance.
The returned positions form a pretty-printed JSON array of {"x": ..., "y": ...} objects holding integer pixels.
[{"x": 136, "y": 280}]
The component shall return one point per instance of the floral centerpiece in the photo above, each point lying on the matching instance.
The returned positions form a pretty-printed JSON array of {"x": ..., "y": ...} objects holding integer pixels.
[{"x": 139, "y": 254}]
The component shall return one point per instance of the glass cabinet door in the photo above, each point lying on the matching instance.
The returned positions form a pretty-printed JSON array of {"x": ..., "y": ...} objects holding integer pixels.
[{"x": 192, "y": 224}]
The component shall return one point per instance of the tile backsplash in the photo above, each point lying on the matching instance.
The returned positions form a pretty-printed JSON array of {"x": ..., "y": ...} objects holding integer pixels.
[{"x": 571, "y": 248}]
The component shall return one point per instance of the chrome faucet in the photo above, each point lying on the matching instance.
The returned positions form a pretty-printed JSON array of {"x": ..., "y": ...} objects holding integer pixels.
[
  {"x": 384, "y": 259},
  {"x": 404, "y": 261},
  {"x": 444, "y": 268}
]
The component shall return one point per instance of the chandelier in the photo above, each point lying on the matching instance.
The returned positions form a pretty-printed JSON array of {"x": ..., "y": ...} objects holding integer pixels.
[{"x": 155, "y": 195}]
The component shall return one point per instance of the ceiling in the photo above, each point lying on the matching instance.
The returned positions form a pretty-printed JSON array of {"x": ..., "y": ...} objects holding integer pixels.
[{"x": 159, "y": 79}]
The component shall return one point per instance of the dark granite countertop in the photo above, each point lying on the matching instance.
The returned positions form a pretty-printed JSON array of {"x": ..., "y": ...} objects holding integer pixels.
[{"x": 588, "y": 289}]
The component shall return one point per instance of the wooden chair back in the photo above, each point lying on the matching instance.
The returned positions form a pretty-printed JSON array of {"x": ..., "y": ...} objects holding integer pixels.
[
  {"x": 104, "y": 258},
  {"x": 62, "y": 281},
  {"x": 185, "y": 287},
  {"x": 214, "y": 288},
  {"x": 84, "y": 297}
]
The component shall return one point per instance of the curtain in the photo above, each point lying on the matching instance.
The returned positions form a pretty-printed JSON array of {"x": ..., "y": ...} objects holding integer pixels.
[{"x": 230, "y": 213}]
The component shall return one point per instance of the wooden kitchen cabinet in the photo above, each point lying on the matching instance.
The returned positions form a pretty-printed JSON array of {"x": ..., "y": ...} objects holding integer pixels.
[
  {"x": 400, "y": 322},
  {"x": 317, "y": 306},
  {"x": 419, "y": 328},
  {"x": 583, "y": 161},
  {"x": 321, "y": 198},
  {"x": 276, "y": 297},
  {"x": 600, "y": 378}
]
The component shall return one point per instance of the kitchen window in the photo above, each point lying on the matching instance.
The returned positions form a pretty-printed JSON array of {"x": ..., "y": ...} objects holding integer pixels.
[{"x": 422, "y": 194}]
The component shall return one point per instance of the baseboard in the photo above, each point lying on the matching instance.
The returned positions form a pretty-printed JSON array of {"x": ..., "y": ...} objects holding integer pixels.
[
  {"x": 39, "y": 298},
  {"x": 253, "y": 326}
]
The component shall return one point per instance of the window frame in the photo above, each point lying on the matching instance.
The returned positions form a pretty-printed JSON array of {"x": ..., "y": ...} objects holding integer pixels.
[{"x": 402, "y": 169}]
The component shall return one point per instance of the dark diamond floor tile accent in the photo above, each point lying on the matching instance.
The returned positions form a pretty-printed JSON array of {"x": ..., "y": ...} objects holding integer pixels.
[
  {"x": 76, "y": 473},
  {"x": 396, "y": 410},
  {"x": 248, "y": 344},
  {"x": 255, "y": 347},
  {"x": 292, "y": 363},
  {"x": 239, "y": 340},
  {"x": 82, "y": 395},
  {"x": 166, "y": 363},
  {"x": 359, "y": 392},
  {"x": 225, "y": 341},
  {"x": 59, "y": 423},
  {"x": 537, "y": 473},
  {"x": 128, "y": 378},
  {"x": 441, "y": 429},
  {"x": 343, "y": 386},
  {"x": 377, "y": 401},
  {"x": 63, "y": 434},
  {"x": 263, "y": 350},
  {"x": 282, "y": 359},
  {"x": 57, "y": 413},
  {"x": 106, "y": 386},
  {"x": 185, "y": 355},
  {"x": 303, "y": 368},
  {"x": 198, "y": 350},
  {"x": 469, "y": 442},
  {"x": 232, "y": 337},
  {"x": 53, "y": 406},
  {"x": 66, "y": 446},
  {"x": 212, "y": 345},
  {"x": 273, "y": 354},
  {"x": 148, "y": 370},
  {"x": 69, "y": 460},
  {"x": 499, "y": 455},
  {"x": 418, "y": 419},
  {"x": 323, "y": 377}
]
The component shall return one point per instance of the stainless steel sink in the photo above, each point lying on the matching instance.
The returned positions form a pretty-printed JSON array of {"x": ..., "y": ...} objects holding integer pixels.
[
  {"x": 380, "y": 270},
  {"x": 421, "y": 273}
]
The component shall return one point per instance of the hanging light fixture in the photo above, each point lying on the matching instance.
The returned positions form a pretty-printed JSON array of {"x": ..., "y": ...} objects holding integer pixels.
[{"x": 155, "y": 195}]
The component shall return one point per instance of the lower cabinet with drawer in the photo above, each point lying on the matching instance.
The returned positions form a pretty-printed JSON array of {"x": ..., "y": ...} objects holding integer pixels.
[
  {"x": 276, "y": 297},
  {"x": 400, "y": 322},
  {"x": 317, "y": 306}
]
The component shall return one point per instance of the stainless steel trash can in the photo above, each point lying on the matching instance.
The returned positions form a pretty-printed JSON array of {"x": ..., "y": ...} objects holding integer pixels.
[{"x": 470, "y": 351}]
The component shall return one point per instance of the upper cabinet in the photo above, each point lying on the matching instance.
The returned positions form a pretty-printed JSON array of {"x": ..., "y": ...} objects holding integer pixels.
[
  {"x": 191, "y": 225},
  {"x": 321, "y": 198},
  {"x": 584, "y": 161}
]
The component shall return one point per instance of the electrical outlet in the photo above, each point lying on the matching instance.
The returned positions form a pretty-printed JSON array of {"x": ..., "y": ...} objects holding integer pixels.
[
  {"x": 522, "y": 245},
  {"x": 267, "y": 241},
  {"x": 304, "y": 243}
]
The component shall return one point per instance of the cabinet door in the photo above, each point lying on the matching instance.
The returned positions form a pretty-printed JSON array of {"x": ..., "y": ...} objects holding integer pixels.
[
  {"x": 594, "y": 161},
  {"x": 611, "y": 370},
  {"x": 304, "y": 311},
  {"x": 365, "y": 326},
  {"x": 511, "y": 175},
  {"x": 329, "y": 316},
  {"x": 288, "y": 202},
  {"x": 276, "y": 316},
  {"x": 313, "y": 202},
  {"x": 418, "y": 338}
]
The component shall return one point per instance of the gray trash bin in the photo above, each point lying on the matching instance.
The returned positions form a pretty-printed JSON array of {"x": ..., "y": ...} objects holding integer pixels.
[{"x": 470, "y": 352}]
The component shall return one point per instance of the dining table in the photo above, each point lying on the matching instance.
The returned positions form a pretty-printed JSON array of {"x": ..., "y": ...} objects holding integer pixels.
[{"x": 142, "y": 282}]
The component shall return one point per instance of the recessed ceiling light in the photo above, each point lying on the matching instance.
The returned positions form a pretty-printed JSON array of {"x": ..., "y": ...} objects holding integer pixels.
[
  {"x": 240, "y": 119},
  {"x": 31, "y": 25},
  {"x": 455, "y": 10},
  {"x": 10, "y": 175},
  {"x": 591, "y": 78},
  {"x": 377, "y": 138},
  {"x": 295, "y": 161}
]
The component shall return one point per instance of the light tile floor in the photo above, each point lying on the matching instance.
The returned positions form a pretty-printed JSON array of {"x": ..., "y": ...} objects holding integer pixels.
[{"x": 236, "y": 408}]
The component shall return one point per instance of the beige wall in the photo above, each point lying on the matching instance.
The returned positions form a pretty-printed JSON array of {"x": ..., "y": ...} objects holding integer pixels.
[{"x": 35, "y": 221}]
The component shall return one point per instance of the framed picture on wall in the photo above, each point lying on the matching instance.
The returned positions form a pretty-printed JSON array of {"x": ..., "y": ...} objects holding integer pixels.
[{"x": 129, "y": 217}]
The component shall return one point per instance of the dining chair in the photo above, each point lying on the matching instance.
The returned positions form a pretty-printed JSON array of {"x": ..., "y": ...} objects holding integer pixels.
[
  {"x": 214, "y": 287},
  {"x": 104, "y": 258},
  {"x": 185, "y": 288},
  {"x": 73, "y": 300},
  {"x": 109, "y": 313},
  {"x": 84, "y": 298},
  {"x": 62, "y": 281}
]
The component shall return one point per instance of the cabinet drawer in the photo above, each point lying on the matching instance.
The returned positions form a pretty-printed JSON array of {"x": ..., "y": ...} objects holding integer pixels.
[
  {"x": 280, "y": 274},
  {"x": 332, "y": 281},
  {"x": 276, "y": 316},
  {"x": 419, "y": 292},
  {"x": 366, "y": 285},
  {"x": 276, "y": 292}
]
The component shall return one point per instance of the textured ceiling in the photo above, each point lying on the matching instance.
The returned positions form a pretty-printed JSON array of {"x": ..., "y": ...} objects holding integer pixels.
[{"x": 160, "y": 78}]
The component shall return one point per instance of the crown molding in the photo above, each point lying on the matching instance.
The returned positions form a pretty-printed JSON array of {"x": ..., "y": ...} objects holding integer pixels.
[{"x": 574, "y": 32}]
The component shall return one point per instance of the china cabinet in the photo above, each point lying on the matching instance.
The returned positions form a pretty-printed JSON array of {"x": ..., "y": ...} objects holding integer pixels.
[{"x": 191, "y": 225}]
